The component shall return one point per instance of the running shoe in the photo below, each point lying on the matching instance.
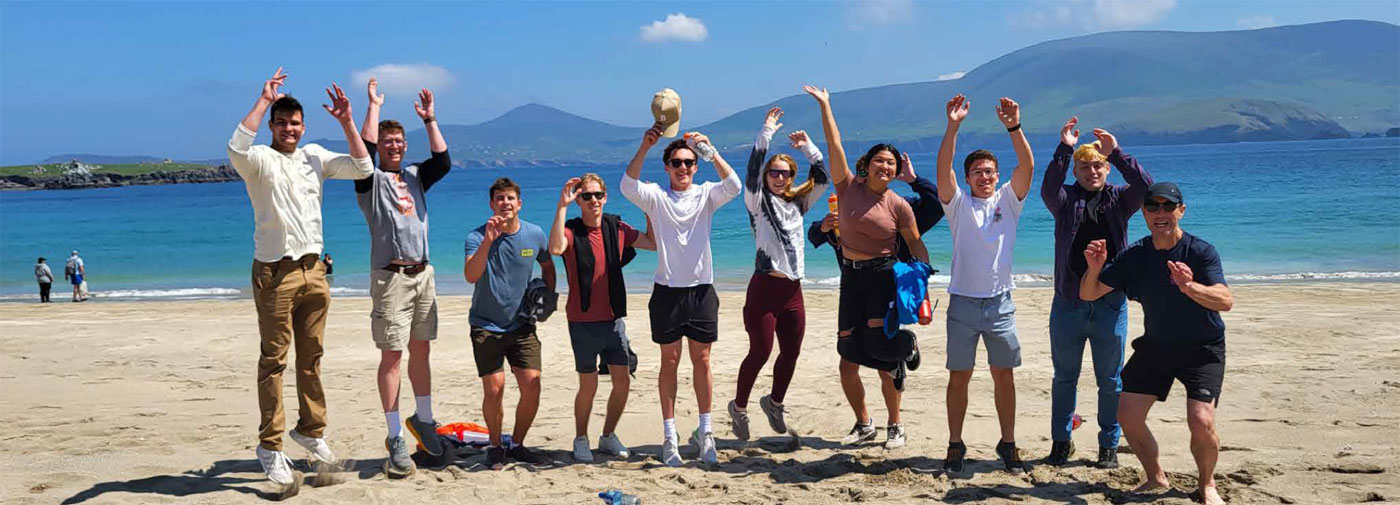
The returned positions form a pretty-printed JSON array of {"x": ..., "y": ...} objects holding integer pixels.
[
  {"x": 671, "y": 453},
  {"x": 860, "y": 433},
  {"x": 276, "y": 465},
  {"x": 316, "y": 446},
  {"x": 582, "y": 453},
  {"x": 957, "y": 453},
  {"x": 894, "y": 436},
  {"x": 426, "y": 433},
  {"x": 705, "y": 445},
  {"x": 775, "y": 412},
  {"x": 739, "y": 421},
  {"x": 1011, "y": 456},
  {"x": 612, "y": 446},
  {"x": 399, "y": 465}
]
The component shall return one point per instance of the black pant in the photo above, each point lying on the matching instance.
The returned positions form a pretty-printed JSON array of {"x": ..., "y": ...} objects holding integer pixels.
[{"x": 44, "y": 291}]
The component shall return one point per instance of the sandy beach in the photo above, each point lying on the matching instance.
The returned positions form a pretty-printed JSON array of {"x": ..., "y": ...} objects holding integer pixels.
[{"x": 153, "y": 402}]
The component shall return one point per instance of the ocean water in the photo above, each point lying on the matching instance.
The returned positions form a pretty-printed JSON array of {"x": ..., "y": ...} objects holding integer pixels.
[{"x": 1275, "y": 211}]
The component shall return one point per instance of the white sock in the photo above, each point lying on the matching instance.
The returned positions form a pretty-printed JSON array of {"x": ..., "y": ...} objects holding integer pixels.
[
  {"x": 395, "y": 428},
  {"x": 425, "y": 408},
  {"x": 705, "y": 423},
  {"x": 668, "y": 428}
]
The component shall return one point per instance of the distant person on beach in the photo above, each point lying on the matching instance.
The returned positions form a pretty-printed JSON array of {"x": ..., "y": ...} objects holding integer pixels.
[
  {"x": 983, "y": 226},
  {"x": 683, "y": 302},
  {"x": 402, "y": 285},
  {"x": 1177, "y": 278},
  {"x": 289, "y": 281},
  {"x": 1088, "y": 210},
  {"x": 872, "y": 218},
  {"x": 74, "y": 271},
  {"x": 595, "y": 246},
  {"x": 500, "y": 263},
  {"x": 44, "y": 276},
  {"x": 330, "y": 263},
  {"x": 773, "y": 304}
]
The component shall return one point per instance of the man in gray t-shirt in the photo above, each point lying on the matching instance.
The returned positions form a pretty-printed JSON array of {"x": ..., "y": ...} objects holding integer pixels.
[
  {"x": 402, "y": 290},
  {"x": 501, "y": 257}
]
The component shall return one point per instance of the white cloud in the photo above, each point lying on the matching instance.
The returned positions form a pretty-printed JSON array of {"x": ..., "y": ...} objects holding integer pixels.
[
  {"x": 951, "y": 76},
  {"x": 404, "y": 78},
  {"x": 1257, "y": 22},
  {"x": 1095, "y": 15},
  {"x": 676, "y": 27},
  {"x": 1120, "y": 14},
  {"x": 882, "y": 12}
]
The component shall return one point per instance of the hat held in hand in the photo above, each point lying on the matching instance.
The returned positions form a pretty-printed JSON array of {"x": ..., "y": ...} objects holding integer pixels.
[{"x": 666, "y": 108}]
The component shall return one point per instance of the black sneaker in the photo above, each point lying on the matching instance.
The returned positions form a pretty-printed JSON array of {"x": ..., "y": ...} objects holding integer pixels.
[
  {"x": 1108, "y": 457},
  {"x": 1060, "y": 452},
  {"x": 1011, "y": 456},
  {"x": 525, "y": 455},
  {"x": 899, "y": 375},
  {"x": 953, "y": 462},
  {"x": 496, "y": 457},
  {"x": 914, "y": 359}
]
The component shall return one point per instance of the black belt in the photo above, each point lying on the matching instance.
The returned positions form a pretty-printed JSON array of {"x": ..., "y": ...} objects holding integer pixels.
[
  {"x": 864, "y": 264},
  {"x": 414, "y": 269}
]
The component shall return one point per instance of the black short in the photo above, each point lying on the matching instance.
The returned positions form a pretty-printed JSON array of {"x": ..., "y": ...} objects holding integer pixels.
[
  {"x": 1151, "y": 370},
  {"x": 591, "y": 340},
  {"x": 684, "y": 312},
  {"x": 870, "y": 348},
  {"x": 866, "y": 293}
]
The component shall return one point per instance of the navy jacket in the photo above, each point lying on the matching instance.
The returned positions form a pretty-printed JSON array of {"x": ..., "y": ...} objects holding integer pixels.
[{"x": 1068, "y": 202}]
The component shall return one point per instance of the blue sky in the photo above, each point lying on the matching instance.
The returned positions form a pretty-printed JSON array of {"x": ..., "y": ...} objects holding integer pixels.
[{"x": 172, "y": 79}]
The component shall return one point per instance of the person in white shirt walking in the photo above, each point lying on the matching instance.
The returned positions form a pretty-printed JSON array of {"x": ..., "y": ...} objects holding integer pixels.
[{"x": 289, "y": 283}]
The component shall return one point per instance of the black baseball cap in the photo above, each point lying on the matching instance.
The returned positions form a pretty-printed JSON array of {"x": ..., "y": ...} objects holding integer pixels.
[{"x": 1166, "y": 190}]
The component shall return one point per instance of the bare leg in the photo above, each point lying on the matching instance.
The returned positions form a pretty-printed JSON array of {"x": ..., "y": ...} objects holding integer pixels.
[
  {"x": 704, "y": 381},
  {"x": 1132, "y": 414},
  {"x": 493, "y": 393},
  {"x": 1205, "y": 447},
  {"x": 419, "y": 372},
  {"x": 529, "y": 383},
  {"x": 855, "y": 391},
  {"x": 892, "y": 396},
  {"x": 1004, "y": 389},
  {"x": 388, "y": 379},
  {"x": 583, "y": 402},
  {"x": 617, "y": 400},
  {"x": 670, "y": 361},
  {"x": 957, "y": 402}
]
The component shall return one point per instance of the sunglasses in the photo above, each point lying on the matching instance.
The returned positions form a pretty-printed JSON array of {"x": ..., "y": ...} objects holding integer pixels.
[
  {"x": 678, "y": 162},
  {"x": 1154, "y": 206},
  {"x": 592, "y": 195},
  {"x": 779, "y": 174}
]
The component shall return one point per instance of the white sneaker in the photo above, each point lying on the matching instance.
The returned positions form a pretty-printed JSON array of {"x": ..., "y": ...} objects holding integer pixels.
[
  {"x": 671, "y": 453},
  {"x": 316, "y": 446},
  {"x": 582, "y": 453},
  {"x": 705, "y": 445},
  {"x": 612, "y": 446},
  {"x": 276, "y": 465}
]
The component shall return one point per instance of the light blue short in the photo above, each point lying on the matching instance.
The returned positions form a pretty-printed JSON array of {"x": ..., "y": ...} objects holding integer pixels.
[{"x": 993, "y": 320}]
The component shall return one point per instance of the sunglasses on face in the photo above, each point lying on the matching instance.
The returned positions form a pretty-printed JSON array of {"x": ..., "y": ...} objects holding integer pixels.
[
  {"x": 779, "y": 174},
  {"x": 678, "y": 162},
  {"x": 592, "y": 195},
  {"x": 1154, "y": 206}
]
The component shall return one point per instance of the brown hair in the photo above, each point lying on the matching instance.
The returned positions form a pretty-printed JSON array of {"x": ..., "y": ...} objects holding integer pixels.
[
  {"x": 789, "y": 193},
  {"x": 980, "y": 154},
  {"x": 390, "y": 126},
  {"x": 592, "y": 177},
  {"x": 504, "y": 184},
  {"x": 672, "y": 147}
]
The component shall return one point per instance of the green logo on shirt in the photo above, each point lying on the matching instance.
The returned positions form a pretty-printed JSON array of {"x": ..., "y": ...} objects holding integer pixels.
[{"x": 527, "y": 252}]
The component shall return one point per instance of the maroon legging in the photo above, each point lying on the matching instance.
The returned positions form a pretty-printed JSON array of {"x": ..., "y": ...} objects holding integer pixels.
[{"x": 773, "y": 306}]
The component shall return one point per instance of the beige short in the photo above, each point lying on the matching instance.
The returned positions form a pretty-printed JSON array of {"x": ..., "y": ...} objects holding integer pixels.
[{"x": 404, "y": 308}]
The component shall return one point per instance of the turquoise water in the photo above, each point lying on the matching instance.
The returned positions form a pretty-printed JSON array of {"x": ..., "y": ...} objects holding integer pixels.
[{"x": 1278, "y": 210}]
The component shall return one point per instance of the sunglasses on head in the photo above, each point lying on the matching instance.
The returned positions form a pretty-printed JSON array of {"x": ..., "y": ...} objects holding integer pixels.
[
  {"x": 678, "y": 162},
  {"x": 779, "y": 174},
  {"x": 1154, "y": 206},
  {"x": 592, "y": 195}
]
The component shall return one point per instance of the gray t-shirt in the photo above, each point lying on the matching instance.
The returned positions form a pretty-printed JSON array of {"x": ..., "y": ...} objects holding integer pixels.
[
  {"x": 509, "y": 268},
  {"x": 397, "y": 212}
]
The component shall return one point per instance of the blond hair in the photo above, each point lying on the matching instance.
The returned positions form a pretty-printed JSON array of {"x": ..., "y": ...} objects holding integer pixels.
[
  {"x": 1089, "y": 153},
  {"x": 592, "y": 177},
  {"x": 789, "y": 193}
]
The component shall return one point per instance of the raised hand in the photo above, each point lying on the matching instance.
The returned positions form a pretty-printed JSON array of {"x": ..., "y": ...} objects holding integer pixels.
[
  {"x": 570, "y": 192},
  {"x": 375, "y": 98},
  {"x": 698, "y": 137},
  {"x": 341, "y": 110},
  {"x": 493, "y": 228},
  {"x": 822, "y": 96},
  {"x": 269, "y": 89},
  {"x": 906, "y": 175},
  {"x": 1068, "y": 134},
  {"x": 774, "y": 114},
  {"x": 650, "y": 138},
  {"x": 957, "y": 108},
  {"x": 424, "y": 106},
  {"x": 798, "y": 139},
  {"x": 1107, "y": 142},
  {"x": 1009, "y": 112},
  {"x": 1181, "y": 274},
  {"x": 1096, "y": 253}
]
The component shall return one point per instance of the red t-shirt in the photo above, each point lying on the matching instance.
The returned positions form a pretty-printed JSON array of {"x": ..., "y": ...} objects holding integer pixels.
[{"x": 599, "y": 302}]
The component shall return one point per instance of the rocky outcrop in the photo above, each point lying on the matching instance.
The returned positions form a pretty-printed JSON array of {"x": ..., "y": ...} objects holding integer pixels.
[{"x": 85, "y": 180}]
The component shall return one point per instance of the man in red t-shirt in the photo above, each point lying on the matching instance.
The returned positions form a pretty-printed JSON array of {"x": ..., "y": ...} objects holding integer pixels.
[{"x": 593, "y": 246}]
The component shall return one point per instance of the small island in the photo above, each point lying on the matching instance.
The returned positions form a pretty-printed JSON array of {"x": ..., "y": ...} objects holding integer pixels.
[{"x": 75, "y": 174}]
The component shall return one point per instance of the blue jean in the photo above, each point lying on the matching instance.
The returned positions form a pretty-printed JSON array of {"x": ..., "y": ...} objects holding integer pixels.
[{"x": 1104, "y": 324}]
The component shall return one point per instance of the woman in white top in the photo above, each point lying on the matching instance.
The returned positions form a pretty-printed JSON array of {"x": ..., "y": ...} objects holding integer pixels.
[{"x": 774, "y": 303}]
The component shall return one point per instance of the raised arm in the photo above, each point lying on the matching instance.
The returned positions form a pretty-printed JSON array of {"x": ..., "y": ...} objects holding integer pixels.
[
  {"x": 369, "y": 131},
  {"x": 1009, "y": 112},
  {"x": 1090, "y": 288},
  {"x": 649, "y": 139},
  {"x": 1137, "y": 177},
  {"x": 439, "y": 163},
  {"x": 729, "y": 184},
  {"x": 477, "y": 252},
  {"x": 1052, "y": 188},
  {"x": 241, "y": 144},
  {"x": 956, "y": 109},
  {"x": 840, "y": 170},
  {"x": 357, "y": 165},
  {"x": 753, "y": 176},
  {"x": 269, "y": 95},
  {"x": 558, "y": 242},
  {"x": 927, "y": 211}
]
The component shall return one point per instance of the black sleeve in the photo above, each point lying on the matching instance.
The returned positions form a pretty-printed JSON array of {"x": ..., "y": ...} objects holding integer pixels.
[
  {"x": 927, "y": 210},
  {"x": 1120, "y": 272},
  {"x": 434, "y": 169},
  {"x": 366, "y": 184},
  {"x": 816, "y": 236}
]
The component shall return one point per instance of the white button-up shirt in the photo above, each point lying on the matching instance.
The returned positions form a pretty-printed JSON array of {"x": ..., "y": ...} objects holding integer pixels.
[{"x": 285, "y": 190}]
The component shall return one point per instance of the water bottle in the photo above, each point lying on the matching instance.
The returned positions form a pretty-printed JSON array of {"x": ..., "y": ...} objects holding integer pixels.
[
  {"x": 617, "y": 497},
  {"x": 704, "y": 149},
  {"x": 1076, "y": 422}
]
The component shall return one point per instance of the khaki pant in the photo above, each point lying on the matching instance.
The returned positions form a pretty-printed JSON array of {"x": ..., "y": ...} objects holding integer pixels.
[{"x": 292, "y": 298}]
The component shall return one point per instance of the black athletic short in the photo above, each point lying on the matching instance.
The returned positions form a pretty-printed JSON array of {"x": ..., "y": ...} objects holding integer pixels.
[
  {"x": 1152, "y": 369},
  {"x": 866, "y": 292},
  {"x": 684, "y": 312}
]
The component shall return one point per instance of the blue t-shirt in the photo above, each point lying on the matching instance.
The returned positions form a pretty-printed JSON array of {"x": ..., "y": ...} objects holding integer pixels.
[
  {"x": 1172, "y": 320},
  {"x": 509, "y": 268}
]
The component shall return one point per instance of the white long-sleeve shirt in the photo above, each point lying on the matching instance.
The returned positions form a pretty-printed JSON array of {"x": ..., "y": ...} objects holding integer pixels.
[
  {"x": 777, "y": 223},
  {"x": 285, "y": 190},
  {"x": 681, "y": 222}
]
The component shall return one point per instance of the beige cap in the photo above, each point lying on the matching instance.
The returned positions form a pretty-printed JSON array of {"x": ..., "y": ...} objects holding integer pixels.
[{"x": 666, "y": 108}]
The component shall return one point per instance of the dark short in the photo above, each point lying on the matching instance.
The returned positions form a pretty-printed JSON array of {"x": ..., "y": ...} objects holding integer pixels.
[
  {"x": 691, "y": 312},
  {"x": 866, "y": 293},
  {"x": 493, "y": 349},
  {"x": 591, "y": 340},
  {"x": 1153, "y": 368}
]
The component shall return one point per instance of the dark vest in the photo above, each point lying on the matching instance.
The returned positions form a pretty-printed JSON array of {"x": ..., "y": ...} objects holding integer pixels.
[{"x": 584, "y": 262}]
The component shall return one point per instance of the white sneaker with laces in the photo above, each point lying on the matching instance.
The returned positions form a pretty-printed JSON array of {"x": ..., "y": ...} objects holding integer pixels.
[
  {"x": 671, "y": 453},
  {"x": 612, "y": 446},
  {"x": 582, "y": 453},
  {"x": 316, "y": 446},
  {"x": 705, "y": 445},
  {"x": 276, "y": 465}
]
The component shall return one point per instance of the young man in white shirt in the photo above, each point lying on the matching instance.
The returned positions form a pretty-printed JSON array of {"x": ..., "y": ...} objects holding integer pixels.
[
  {"x": 983, "y": 225},
  {"x": 683, "y": 301},
  {"x": 289, "y": 283}
]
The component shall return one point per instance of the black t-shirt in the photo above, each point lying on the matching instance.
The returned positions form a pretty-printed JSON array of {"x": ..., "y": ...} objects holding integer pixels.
[
  {"x": 1089, "y": 230},
  {"x": 1171, "y": 319}
]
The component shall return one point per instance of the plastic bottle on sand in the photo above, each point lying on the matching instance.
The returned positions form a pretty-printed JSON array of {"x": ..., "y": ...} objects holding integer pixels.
[{"x": 617, "y": 497}]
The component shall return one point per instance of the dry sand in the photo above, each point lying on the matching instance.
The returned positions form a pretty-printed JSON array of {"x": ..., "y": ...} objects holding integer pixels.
[{"x": 153, "y": 402}]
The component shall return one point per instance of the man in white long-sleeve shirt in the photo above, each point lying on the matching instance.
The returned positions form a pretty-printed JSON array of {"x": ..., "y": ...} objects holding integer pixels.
[
  {"x": 683, "y": 301},
  {"x": 289, "y": 280}
]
